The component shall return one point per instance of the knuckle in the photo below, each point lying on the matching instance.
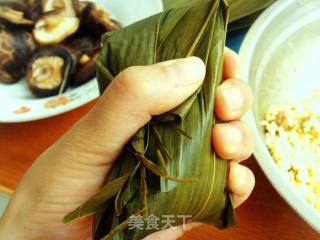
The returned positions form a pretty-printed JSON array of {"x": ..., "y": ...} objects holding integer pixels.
[
  {"x": 145, "y": 83},
  {"x": 126, "y": 78},
  {"x": 130, "y": 83}
]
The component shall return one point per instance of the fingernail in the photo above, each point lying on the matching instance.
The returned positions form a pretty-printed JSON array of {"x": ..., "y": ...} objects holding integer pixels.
[
  {"x": 232, "y": 97},
  {"x": 189, "y": 71}
]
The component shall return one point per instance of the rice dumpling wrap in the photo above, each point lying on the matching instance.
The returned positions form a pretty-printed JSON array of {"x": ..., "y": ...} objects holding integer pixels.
[
  {"x": 239, "y": 9},
  {"x": 243, "y": 8},
  {"x": 169, "y": 168},
  {"x": 244, "y": 22}
]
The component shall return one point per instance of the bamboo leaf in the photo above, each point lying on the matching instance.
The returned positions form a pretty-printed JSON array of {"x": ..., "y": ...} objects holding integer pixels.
[
  {"x": 105, "y": 193},
  {"x": 165, "y": 37},
  {"x": 120, "y": 227},
  {"x": 243, "y": 8},
  {"x": 129, "y": 190},
  {"x": 244, "y": 22},
  {"x": 143, "y": 190},
  {"x": 239, "y": 9},
  {"x": 118, "y": 203},
  {"x": 138, "y": 141},
  {"x": 162, "y": 161},
  {"x": 162, "y": 173},
  {"x": 164, "y": 152},
  {"x": 182, "y": 132}
]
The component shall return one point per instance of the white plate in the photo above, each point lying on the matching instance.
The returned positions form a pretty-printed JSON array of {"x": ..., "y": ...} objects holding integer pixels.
[{"x": 19, "y": 105}]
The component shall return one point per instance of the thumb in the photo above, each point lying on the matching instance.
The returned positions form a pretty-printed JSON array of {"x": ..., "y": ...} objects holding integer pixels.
[{"x": 133, "y": 97}]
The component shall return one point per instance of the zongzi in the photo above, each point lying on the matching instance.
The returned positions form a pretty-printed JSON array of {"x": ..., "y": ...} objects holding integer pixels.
[
  {"x": 242, "y": 12},
  {"x": 169, "y": 168},
  {"x": 243, "y": 8}
]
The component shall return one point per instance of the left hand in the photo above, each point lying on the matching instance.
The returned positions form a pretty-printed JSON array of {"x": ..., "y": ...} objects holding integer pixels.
[{"x": 74, "y": 168}]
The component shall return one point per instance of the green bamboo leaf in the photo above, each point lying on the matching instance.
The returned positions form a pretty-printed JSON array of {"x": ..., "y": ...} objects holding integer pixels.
[
  {"x": 164, "y": 152},
  {"x": 239, "y": 9},
  {"x": 161, "y": 150},
  {"x": 206, "y": 198},
  {"x": 138, "y": 141},
  {"x": 118, "y": 203},
  {"x": 120, "y": 227},
  {"x": 181, "y": 131},
  {"x": 243, "y": 8},
  {"x": 129, "y": 190},
  {"x": 163, "y": 164},
  {"x": 105, "y": 193},
  {"x": 126, "y": 192},
  {"x": 143, "y": 190},
  {"x": 162, "y": 173},
  {"x": 244, "y": 22}
]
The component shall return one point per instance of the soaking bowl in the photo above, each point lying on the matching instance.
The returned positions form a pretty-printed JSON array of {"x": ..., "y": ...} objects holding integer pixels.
[{"x": 280, "y": 59}]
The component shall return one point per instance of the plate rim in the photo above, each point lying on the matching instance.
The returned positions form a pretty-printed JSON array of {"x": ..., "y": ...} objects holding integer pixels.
[{"x": 19, "y": 118}]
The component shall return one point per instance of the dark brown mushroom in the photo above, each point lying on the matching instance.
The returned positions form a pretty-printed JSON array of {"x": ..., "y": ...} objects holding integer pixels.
[
  {"x": 96, "y": 19},
  {"x": 34, "y": 10},
  {"x": 49, "y": 70},
  {"x": 69, "y": 7},
  {"x": 86, "y": 70},
  {"x": 17, "y": 5},
  {"x": 54, "y": 27},
  {"x": 13, "y": 18},
  {"x": 83, "y": 43},
  {"x": 16, "y": 46},
  {"x": 86, "y": 48},
  {"x": 82, "y": 5}
]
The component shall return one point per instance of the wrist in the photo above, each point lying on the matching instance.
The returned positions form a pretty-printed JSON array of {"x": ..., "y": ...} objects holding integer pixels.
[
  {"x": 5, "y": 229},
  {"x": 10, "y": 229}
]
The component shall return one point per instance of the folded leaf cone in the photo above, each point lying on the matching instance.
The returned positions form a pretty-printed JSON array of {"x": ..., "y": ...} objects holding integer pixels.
[
  {"x": 169, "y": 168},
  {"x": 242, "y": 12},
  {"x": 243, "y": 8}
]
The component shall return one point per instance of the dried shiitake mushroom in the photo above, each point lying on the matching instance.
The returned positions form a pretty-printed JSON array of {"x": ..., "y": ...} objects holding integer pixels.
[
  {"x": 10, "y": 17},
  {"x": 49, "y": 70},
  {"x": 16, "y": 46},
  {"x": 58, "y": 22},
  {"x": 86, "y": 48},
  {"x": 34, "y": 10},
  {"x": 63, "y": 42},
  {"x": 17, "y": 5},
  {"x": 83, "y": 43},
  {"x": 86, "y": 70},
  {"x": 54, "y": 27},
  {"x": 70, "y": 7},
  {"x": 97, "y": 19}
]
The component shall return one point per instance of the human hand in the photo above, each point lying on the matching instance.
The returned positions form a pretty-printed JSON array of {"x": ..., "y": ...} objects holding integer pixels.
[{"x": 74, "y": 168}]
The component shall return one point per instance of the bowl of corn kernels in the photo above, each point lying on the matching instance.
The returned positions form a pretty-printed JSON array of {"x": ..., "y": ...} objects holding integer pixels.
[{"x": 280, "y": 59}]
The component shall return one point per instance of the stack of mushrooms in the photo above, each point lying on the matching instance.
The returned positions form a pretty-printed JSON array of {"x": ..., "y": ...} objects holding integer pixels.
[{"x": 52, "y": 43}]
